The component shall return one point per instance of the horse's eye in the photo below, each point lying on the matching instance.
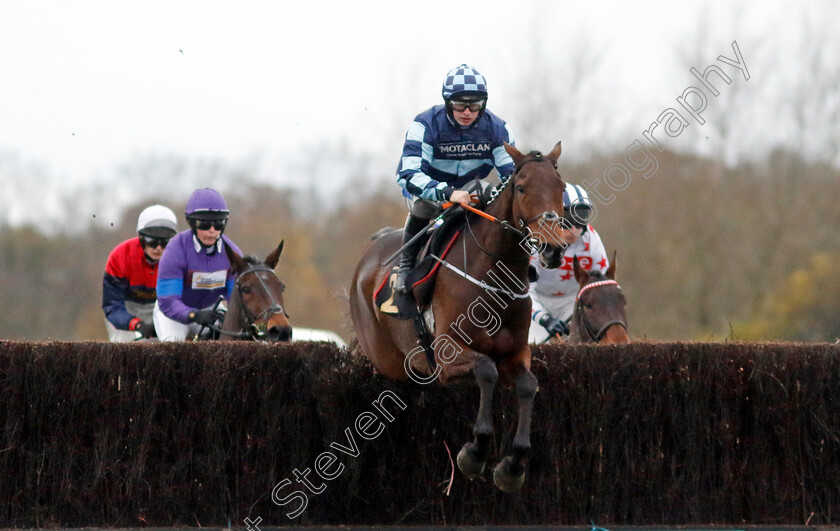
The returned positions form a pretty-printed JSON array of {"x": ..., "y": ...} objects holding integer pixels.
[
  {"x": 246, "y": 289},
  {"x": 520, "y": 188}
]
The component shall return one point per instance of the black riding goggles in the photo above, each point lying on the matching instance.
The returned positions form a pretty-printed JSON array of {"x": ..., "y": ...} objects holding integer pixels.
[
  {"x": 207, "y": 224},
  {"x": 578, "y": 215},
  {"x": 154, "y": 241},
  {"x": 462, "y": 106}
]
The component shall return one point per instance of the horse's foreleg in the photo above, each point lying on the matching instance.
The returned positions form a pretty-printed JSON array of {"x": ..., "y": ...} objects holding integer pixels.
[
  {"x": 509, "y": 474},
  {"x": 473, "y": 455}
]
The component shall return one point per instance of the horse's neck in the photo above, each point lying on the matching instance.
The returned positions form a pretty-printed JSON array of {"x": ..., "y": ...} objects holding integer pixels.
[
  {"x": 575, "y": 325},
  {"x": 502, "y": 206},
  {"x": 580, "y": 332},
  {"x": 233, "y": 320},
  {"x": 491, "y": 237}
]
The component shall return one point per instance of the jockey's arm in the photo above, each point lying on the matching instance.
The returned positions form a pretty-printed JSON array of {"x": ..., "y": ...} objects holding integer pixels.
[{"x": 113, "y": 301}]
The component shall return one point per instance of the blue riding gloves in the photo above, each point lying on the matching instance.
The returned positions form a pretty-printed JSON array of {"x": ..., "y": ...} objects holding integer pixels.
[{"x": 554, "y": 325}]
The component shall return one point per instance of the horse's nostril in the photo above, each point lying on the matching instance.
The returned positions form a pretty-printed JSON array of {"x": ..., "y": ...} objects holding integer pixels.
[
  {"x": 552, "y": 256},
  {"x": 280, "y": 333}
]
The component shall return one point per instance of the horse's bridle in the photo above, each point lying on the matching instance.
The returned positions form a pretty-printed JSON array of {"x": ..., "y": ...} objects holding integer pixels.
[
  {"x": 595, "y": 334},
  {"x": 255, "y": 331},
  {"x": 548, "y": 217},
  {"x": 523, "y": 231}
]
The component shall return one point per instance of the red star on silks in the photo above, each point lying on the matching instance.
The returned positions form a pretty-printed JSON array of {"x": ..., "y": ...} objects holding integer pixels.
[
  {"x": 566, "y": 276},
  {"x": 558, "y": 294},
  {"x": 603, "y": 262},
  {"x": 585, "y": 246}
]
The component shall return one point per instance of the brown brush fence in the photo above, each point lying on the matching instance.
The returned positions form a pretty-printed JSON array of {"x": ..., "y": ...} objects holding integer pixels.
[{"x": 95, "y": 434}]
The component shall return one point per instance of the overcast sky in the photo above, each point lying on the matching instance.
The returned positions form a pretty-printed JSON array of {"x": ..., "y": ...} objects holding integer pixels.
[{"x": 88, "y": 85}]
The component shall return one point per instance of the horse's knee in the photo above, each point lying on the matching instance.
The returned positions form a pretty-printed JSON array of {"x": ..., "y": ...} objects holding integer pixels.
[{"x": 486, "y": 371}]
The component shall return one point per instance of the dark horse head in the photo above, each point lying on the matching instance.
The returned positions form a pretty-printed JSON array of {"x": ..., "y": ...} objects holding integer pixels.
[
  {"x": 536, "y": 204},
  {"x": 255, "y": 310},
  {"x": 599, "y": 315}
]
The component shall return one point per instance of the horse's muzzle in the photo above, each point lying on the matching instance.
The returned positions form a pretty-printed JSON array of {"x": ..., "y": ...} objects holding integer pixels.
[
  {"x": 552, "y": 256},
  {"x": 278, "y": 334}
]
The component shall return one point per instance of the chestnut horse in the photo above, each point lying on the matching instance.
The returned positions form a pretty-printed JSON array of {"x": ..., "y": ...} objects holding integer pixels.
[
  {"x": 474, "y": 337},
  {"x": 599, "y": 315},
  {"x": 255, "y": 309}
]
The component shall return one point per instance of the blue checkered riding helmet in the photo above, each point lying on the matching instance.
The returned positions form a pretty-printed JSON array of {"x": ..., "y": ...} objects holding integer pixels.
[
  {"x": 577, "y": 206},
  {"x": 464, "y": 83}
]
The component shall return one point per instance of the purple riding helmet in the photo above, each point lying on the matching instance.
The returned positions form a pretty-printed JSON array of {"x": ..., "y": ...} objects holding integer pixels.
[{"x": 206, "y": 204}]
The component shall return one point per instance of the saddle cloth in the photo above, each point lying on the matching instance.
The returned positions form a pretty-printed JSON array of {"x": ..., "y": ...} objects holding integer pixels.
[{"x": 422, "y": 277}]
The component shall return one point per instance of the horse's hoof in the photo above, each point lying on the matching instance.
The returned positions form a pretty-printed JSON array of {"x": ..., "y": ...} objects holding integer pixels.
[
  {"x": 469, "y": 466},
  {"x": 505, "y": 481}
]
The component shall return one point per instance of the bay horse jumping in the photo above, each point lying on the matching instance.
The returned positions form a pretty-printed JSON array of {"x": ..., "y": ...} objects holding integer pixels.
[
  {"x": 600, "y": 308},
  {"x": 474, "y": 337},
  {"x": 255, "y": 309}
]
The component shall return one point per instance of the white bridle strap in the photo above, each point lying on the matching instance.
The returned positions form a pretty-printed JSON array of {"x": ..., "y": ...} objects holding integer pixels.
[{"x": 481, "y": 283}]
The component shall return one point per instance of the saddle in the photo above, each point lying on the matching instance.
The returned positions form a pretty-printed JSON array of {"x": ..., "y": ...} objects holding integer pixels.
[{"x": 422, "y": 277}]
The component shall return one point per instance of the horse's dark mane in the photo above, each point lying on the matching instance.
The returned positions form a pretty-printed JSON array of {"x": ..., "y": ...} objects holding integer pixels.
[
  {"x": 497, "y": 191},
  {"x": 252, "y": 260}
]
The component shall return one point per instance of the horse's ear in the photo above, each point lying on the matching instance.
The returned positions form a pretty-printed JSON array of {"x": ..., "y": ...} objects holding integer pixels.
[
  {"x": 555, "y": 153},
  {"x": 580, "y": 274},
  {"x": 611, "y": 269},
  {"x": 272, "y": 259},
  {"x": 515, "y": 154},
  {"x": 237, "y": 262}
]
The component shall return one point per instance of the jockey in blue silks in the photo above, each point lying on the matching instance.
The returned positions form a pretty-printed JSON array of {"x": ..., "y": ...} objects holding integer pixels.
[{"x": 447, "y": 147}]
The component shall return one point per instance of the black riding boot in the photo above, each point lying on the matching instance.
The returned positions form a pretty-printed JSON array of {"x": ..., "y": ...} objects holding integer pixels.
[{"x": 413, "y": 225}]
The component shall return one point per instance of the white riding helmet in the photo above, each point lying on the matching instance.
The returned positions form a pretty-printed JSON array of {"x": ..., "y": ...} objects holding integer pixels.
[{"x": 157, "y": 221}]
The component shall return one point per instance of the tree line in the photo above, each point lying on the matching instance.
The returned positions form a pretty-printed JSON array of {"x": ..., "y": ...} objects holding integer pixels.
[{"x": 705, "y": 251}]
